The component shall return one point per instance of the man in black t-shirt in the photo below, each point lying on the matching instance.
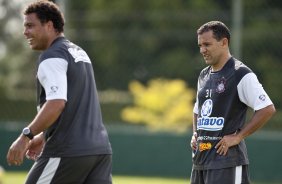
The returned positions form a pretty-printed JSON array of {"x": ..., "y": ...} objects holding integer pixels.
[
  {"x": 67, "y": 137},
  {"x": 226, "y": 88}
]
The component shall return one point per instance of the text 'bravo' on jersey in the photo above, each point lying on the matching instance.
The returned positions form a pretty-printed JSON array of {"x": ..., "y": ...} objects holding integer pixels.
[{"x": 205, "y": 122}]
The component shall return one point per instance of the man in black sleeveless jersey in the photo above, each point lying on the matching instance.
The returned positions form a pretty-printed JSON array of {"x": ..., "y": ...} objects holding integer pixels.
[
  {"x": 67, "y": 137},
  {"x": 226, "y": 88}
]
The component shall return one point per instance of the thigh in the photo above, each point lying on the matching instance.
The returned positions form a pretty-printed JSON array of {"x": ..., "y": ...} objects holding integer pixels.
[
  {"x": 197, "y": 177},
  {"x": 37, "y": 171},
  {"x": 246, "y": 175},
  {"x": 101, "y": 172},
  {"x": 71, "y": 170},
  {"x": 95, "y": 169},
  {"x": 232, "y": 175},
  {"x": 57, "y": 171}
]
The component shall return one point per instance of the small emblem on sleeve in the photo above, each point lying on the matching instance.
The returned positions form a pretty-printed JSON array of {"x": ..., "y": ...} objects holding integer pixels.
[
  {"x": 262, "y": 97},
  {"x": 53, "y": 90}
]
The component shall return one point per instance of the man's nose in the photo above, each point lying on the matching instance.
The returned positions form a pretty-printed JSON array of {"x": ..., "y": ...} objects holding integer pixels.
[
  {"x": 25, "y": 32},
  {"x": 203, "y": 49}
]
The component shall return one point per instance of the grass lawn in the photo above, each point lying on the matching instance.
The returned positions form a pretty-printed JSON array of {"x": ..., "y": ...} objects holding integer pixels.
[
  {"x": 19, "y": 177},
  {"x": 147, "y": 180}
]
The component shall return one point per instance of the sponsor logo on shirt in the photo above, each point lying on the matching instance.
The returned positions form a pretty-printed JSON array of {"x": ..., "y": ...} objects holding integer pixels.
[
  {"x": 79, "y": 55},
  {"x": 206, "y": 122},
  {"x": 204, "y": 146},
  {"x": 208, "y": 138}
]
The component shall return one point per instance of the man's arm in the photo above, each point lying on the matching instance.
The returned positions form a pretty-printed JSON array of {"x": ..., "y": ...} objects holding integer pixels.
[
  {"x": 47, "y": 115},
  {"x": 35, "y": 147},
  {"x": 259, "y": 119},
  {"x": 194, "y": 136},
  {"x": 195, "y": 119}
]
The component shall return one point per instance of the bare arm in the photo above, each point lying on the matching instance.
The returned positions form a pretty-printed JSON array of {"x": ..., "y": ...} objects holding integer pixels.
[
  {"x": 35, "y": 147},
  {"x": 259, "y": 119},
  {"x": 194, "y": 136},
  {"x": 48, "y": 114},
  {"x": 195, "y": 119}
]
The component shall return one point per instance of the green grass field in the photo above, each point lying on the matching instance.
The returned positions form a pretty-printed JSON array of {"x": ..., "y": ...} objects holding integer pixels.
[{"x": 19, "y": 177}]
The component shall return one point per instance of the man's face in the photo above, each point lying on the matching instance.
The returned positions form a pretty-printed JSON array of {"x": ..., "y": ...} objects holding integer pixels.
[
  {"x": 35, "y": 32},
  {"x": 210, "y": 48}
]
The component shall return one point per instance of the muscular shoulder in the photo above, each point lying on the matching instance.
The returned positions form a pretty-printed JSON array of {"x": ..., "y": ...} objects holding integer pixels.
[
  {"x": 59, "y": 49},
  {"x": 204, "y": 72},
  {"x": 241, "y": 69}
]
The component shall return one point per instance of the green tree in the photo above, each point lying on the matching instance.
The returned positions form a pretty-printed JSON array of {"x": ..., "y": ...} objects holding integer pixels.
[
  {"x": 162, "y": 105},
  {"x": 16, "y": 60}
]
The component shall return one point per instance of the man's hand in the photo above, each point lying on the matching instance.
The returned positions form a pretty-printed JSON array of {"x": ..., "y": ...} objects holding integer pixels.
[
  {"x": 35, "y": 147},
  {"x": 226, "y": 142},
  {"x": 17, "y": 150},
  {"x": 193, "y": 142}
]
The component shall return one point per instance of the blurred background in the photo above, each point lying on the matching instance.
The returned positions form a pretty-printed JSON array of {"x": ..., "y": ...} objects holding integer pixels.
[{"x": 146, "y": 62}]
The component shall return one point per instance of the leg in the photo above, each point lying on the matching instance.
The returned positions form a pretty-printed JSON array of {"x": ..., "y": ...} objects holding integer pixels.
[
  {"x": 94, "y": 169},
  {"x": 232, "y": 175},
  {"x": 43, "y": 170},
  {"x": 102, "y": 171},
  {"x": 197, "y": 177},
  {"x": 245, "y": 175}
]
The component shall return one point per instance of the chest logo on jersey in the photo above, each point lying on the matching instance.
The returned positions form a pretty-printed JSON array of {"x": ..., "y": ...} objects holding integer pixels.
[
  {"x": 205, "y": 122},
  {"x": 221, "y": 84}
]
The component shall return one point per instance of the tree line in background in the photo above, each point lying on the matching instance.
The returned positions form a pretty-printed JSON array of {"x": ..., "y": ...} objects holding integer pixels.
[{"x": 143, "y": 40}]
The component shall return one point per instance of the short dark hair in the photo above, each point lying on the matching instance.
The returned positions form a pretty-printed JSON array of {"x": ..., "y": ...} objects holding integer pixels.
[
  {"x": 220, "y": 30},
  {"x": 47, "y": 11}
]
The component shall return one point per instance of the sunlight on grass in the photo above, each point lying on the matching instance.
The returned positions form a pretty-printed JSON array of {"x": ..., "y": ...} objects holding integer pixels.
[
  {"x": 147, "y": 180},
  {"x": 13, "y": 177}
]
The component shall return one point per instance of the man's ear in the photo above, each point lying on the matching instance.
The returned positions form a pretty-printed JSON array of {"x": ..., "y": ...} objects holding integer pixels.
[
  {"x": 225, "y": 42},
  {"x": 50, "y": 25}
]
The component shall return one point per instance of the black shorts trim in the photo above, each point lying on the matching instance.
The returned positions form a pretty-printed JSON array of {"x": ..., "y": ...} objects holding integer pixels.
[
  {"x": 78, "y": 170},
  {"x": 232, "y": 175}
]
